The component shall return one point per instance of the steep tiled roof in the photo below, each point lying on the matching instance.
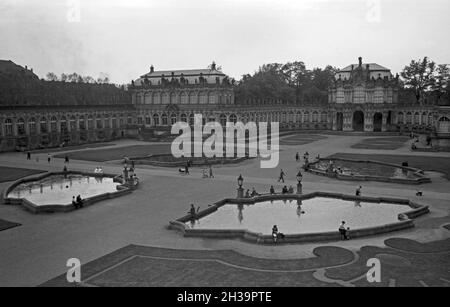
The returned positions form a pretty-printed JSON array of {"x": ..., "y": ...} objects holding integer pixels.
[
  {"x": 372, "y": 67},
  {"x": 185, "y": 72}
]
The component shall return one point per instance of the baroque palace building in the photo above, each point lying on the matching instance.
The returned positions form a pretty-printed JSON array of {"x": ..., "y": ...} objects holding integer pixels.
[{"x": 36, "y": 113}]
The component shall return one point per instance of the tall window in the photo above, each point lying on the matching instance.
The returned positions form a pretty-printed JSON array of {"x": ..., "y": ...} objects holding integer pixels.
[
  {"x": 53, "y": 124},
  {"x": 107, "y": 122},
  {"x": 63, "y": 124},
  {"x": 173, "y": 119},
  {"x": 90, "y": 123},
  {"x": 99, "y": 123},
  {"x": 73, "y": 123},
  {"x": 148, "y": 121},
  {"x": 409, "y": 118},
  {"x": 323, "y": 117},
  {"x": 315, "y": 118},
  {"x": 401, "y": 118},
  {"x": 8, "y": 127},
  {"x": 233, "y": 118},
  {"x": 183, "y": 118},
  {"x": 156, "y": 119},
  {"x": 43, "y": 125},
  {"x": 32, "y": 125},
  {"x": 81, "y": 123},
  {"x": 164, "y": 120},
  {"x": 416, "y": 118},
  {"x": 20, "y": 126}
]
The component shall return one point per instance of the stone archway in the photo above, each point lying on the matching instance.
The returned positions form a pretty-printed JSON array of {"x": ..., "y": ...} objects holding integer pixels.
[
  {"x": 377, "y": 122},
  {"x": 339, "y": 121},
  {"x": 358, "y": 121}
]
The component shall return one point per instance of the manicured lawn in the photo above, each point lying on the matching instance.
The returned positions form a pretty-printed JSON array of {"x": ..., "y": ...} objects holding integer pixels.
[
  {"x": 101, "y": 155},
  {"x": 301, "y": 139},
  {"x": 13, "y": 173},
  {"x": 437, "y": 164},
  {"x": 7, "y": 225},
  {"x": 76, "y": 147},
  {"x": 386, "y": 143}
]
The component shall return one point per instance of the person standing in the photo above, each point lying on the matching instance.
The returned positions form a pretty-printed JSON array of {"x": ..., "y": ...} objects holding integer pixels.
[
  {"x": 272, "y": 190},
  {"x": 66, "y": 159},
  {"x": 343, "y": 231},
  {"x": 28, "y": 155},
  {"x": 49, "y": 158},
  {"x": 211, "y": 175},
  {"x": 297, "y": 157},
  {"x": 275, "y": 233},
  {"x": 358, "y": 191},
  {"x": 282, "y": 174},
  {"x": 186, "y": 169}
]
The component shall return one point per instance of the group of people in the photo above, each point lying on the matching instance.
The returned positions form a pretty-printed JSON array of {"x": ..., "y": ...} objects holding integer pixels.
[
  {"x": 285, "y": 190},
  {"x": 77, "y": 202},
  {"x": 98, "y": 170},
  {"x": 249, "y": 194}
]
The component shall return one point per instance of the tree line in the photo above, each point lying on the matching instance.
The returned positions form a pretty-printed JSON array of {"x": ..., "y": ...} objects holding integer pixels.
[
  {"x": 293, "y": 82},
  {"x": 76, "y": 78}
]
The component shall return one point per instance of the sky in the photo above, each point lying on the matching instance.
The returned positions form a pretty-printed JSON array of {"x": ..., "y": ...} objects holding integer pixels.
[{"x": 123, "y": 38}]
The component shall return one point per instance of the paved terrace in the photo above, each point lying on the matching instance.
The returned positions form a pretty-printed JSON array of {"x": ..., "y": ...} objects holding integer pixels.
[{"x": 130, "y": 232}]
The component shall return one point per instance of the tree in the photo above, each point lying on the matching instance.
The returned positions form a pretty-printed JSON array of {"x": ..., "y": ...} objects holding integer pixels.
[
  {"x": 442, "y": 81},
  {"x": 51, "y": 77},
  {"x": 419, "y": 76}
]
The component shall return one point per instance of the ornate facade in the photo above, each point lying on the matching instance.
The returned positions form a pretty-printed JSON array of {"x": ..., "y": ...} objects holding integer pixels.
[{"x": 364, "y": 97}]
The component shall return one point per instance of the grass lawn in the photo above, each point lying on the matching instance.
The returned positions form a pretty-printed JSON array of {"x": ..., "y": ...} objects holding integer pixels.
[
  {"x": 13, "y": 173},
  {"x": 75, "y": 147},
  {"x": 437, "y": 164},
  {"x": 101, "y": 155},
  {"x": 388, "y": 143},
  {"x": 301, "y": 139},
  {"x": 7, "y": 225}
]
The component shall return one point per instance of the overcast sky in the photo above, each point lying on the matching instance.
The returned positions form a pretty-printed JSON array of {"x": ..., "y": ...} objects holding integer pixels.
[{"x": 124, "y": 37}]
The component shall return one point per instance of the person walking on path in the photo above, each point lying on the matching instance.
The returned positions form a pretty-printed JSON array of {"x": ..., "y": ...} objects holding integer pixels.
[
  {"x": 49, "y": 158},
  {"x": 358, "y": 191},
  {"x": 211, "y": 175},
  {"x": 297, "y": 157},
  {"x": 282, "y": 174},
  {"x": 66, "y": 159}
]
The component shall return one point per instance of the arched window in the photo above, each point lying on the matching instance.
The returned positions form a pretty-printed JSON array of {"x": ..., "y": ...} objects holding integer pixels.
[
  {"x": 183, "y": 118},
  {"x": 400, "y": 118},
  {"x": 323, "y": 117},
  {"x": 299, "y": 117},
  {"x": 315, "y": 117},
  {"x": 416, "y": 118},
  {"x": 73, "y": 123},
  {"x": 53, "y": 124},
  {"x": 444, "y": 125},
  {"x": 156, "y": 119},
  {"x": 21, "y": 126},
  {"x": 82, "y": 123},
  {"x": 148, "y": 120},
  {"x": 90, "y": 123},
  {"x": 184, "y": 98},
  {"x": 107, "y": 122},
  {"x": 203, "y": 97},
  {"x": 233, "y": 118},
  {"x": 8, "y": 127},
  {"x": 430, "y": 119},
  {"x": 173, "y": 119},
  {"x": 114, "y": 121},
  {"x": 140, "y": 120},
  {"x": 306, "y": 117},
  {"x": 63, "y": 124},
  {"x": 164, "y": 120},
  {"x": 424, "y": 118},
  {"x": 409, "y": 118},
  {"x": 191, "y": 119},
  {"x": 99, "y": 122},
  {"x": 291, "y": 117},
  {"x": 32, "y": 125},
  {"x": 43, "y": 125}
]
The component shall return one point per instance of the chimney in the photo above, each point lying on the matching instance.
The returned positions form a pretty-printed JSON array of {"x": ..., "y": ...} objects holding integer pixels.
[
  {"x": 360, "y": 61},
  {"x": 213, "y": 66},
  {"x": 152, "y": 69}
]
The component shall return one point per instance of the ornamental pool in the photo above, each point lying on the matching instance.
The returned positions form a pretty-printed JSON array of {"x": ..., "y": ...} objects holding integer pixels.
[
  {"x": 315, "y": 215},
  {"x": 59, "y": 189}
]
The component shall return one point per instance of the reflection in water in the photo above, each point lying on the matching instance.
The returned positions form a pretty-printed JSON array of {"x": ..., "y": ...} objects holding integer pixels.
[
  {"x": 240, "y": 214},
  {"x": 323, "y": 214},
  {"x": 357, "y": 203},
  {"x": 43, "y": 192}
]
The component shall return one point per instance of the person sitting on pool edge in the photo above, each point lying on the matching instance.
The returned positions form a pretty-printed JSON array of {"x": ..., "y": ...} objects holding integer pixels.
[
  {"x": 285, "y": 190},
  {"x": 79, "y": 201},
  {"x": 272, "y": 190}
]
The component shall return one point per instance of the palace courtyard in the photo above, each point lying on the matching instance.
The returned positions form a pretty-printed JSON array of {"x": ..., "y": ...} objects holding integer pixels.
[{"x": 125, "y": 241}]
